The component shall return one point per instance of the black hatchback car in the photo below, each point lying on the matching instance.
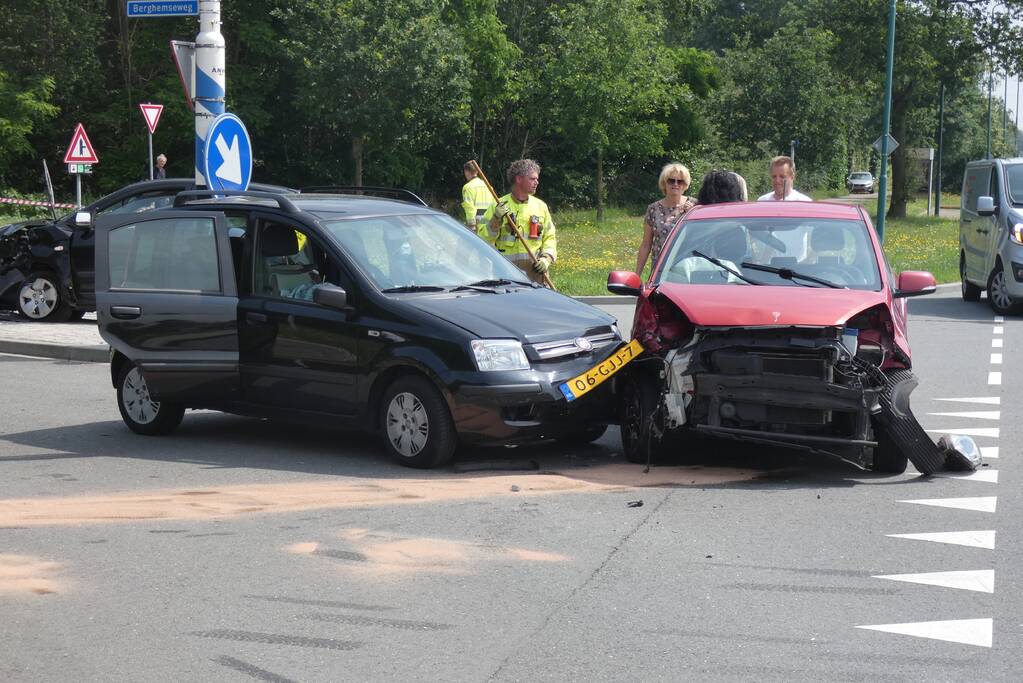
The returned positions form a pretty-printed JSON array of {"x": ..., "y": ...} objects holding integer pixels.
[{"x": 367, "y": 313}]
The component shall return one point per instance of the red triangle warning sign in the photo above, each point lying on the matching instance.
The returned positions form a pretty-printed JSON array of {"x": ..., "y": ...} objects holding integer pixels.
[
  {"x": 151, "y": 113},
  {"x": 80, "y": 150}
]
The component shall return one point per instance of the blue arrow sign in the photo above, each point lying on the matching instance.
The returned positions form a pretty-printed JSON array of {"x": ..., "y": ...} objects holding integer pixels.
[
  {"x": 148, "y": 8},
  {"x": 227, "y": 157}
]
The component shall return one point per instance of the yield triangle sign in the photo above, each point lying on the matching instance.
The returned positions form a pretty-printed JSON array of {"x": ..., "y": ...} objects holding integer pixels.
[
  {"x": 80, "y": 150},
  {"x": 151, "y": 113}
]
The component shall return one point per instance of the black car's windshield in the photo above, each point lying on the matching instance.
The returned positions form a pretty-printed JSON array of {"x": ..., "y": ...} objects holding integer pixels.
[
  {"x": 1014, "y": 181},
  {"x": 835, "y": 251},
  {"x": 419, "y": 252}
]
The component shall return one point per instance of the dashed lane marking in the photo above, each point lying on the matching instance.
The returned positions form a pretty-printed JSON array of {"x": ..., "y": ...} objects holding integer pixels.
[
  {"x": 979, "y": 580},
  {"x": 966, "y": 631},
  {"x": 969, "y": 431},
  {"x": 979, "y": 504},
  {"x": 987, "y": 400},
  {"x": 989, "y": 452},
  {"x": 996, "y": 359},
  {"x": 977, "y": 414},
  {"x": 999, "y": 329},
  {"x": 999, "y": 318},
  {"x": 994, "y": 378},
  {"x": 987, "y": 476},
  {"x": 996, "y": 343},
  {"x": 972, "y": 539}
]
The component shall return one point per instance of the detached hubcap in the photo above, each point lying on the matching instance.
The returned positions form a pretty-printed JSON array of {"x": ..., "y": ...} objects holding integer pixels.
[
  {"x": 408, "y": 426},
  {"x": 38, "y": 298},
  {"x": 135, "y": 398}
]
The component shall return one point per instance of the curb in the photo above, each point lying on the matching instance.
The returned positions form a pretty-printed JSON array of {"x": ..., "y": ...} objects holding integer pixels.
[{"x": 99, "y": 353}]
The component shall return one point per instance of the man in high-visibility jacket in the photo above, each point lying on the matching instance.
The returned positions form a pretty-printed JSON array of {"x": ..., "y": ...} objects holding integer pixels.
[
  {"x": 532, "y": 217},
  {"x": 476, "y": 198}
]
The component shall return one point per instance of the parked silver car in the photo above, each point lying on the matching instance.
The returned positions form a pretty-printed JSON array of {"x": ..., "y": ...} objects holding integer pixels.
[
  {"x": 860, "y": 181},
  {"x": 991, "y": 233}
]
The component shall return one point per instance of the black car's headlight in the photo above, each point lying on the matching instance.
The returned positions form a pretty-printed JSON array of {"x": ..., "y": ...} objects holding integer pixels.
[{"x": 499, "y": 354}]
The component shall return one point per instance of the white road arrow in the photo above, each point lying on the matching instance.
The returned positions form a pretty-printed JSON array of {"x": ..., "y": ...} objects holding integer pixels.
[
  {"x": 980, "y": 580},
  {"x": 967, "y": 631},
  {"x": 231, "y": 169}
]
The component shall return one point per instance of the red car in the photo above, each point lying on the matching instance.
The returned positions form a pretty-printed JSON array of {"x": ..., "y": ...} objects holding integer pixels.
[{"x": 780, "y": 323}]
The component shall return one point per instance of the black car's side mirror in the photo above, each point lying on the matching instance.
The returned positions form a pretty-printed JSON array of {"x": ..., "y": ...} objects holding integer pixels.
[
  {"x": 331, "y": 296},
  {"x": 83, "y": 219}
]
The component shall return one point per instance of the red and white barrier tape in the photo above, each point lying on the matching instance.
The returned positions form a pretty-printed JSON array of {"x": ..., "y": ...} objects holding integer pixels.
[{"x": 29, "y": 202}]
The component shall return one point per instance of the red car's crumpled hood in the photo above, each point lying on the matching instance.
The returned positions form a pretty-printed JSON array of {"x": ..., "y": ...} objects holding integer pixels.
[{"x": 753, "y": 306}]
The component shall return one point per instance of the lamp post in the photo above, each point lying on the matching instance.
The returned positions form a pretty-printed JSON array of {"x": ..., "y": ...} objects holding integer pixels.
[
  {"x": 941, "y": 136},
  {"x": 882, "y": 189}
]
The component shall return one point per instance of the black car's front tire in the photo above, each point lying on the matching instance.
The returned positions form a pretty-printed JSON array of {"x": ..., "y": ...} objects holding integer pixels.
[
  {"x": 139, "y": 411},
  {"x": 41, "y": 299},
  {"x": 416, "y": 424},
  {"x": 637, "y": 407}
]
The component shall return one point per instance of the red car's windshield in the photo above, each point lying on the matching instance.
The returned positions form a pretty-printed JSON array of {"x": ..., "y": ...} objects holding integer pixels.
[{"x": 838, "y": 251}]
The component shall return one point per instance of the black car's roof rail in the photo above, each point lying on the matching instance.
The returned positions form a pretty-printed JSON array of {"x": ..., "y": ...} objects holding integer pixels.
[
  {"x": 285, "y": 204},
  {"x": 398, "y": 193}
]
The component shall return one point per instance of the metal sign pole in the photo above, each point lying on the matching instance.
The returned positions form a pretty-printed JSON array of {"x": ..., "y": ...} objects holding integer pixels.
[
  {"x": 882, "y": 191},
  {"x": 78, "y": 190},
  {"x": 49, "y": 190},
  {"x": 150, "y": 156},
  {"x": 210, "y": 78}
]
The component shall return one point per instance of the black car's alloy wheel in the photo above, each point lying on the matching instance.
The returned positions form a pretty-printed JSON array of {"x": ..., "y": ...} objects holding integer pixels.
[
  {"x": 970, "y": 291},
  {"x": 139, "y": 411},
  {"x": 40, "y": 299},
  {"x": 638, "y": 401},
  {"x": 416, "y": 424}
]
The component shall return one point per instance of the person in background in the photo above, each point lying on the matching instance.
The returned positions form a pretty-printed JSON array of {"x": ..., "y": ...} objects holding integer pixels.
[
  {"x": 783, "y": 175},
  {"x": 719, "y": 187},
  {"x": 662, "y": 215},
  {"x": 532, "y": 218},
  {"x": 159, "y": 170},
  {"x": 476, "y": 198}
]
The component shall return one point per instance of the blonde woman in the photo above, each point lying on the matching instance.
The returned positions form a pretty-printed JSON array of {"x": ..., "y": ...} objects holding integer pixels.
[{"x": 662, "y": 215}]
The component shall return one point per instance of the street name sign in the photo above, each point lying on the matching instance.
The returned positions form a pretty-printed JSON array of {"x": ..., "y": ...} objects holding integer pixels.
[
  {"x": 227, "y": 156},
  {"x": 80, "y": 150},
  {"x": 148, "y": 8}
]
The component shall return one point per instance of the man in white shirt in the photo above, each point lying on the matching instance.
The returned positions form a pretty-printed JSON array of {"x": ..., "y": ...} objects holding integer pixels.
[{"x": 783, "y": 174}]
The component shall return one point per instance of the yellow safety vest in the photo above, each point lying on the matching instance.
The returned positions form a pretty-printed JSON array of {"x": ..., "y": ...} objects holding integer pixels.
[
  {"x": 476, "y": 199},
  {"x": 531, "y": 212}
]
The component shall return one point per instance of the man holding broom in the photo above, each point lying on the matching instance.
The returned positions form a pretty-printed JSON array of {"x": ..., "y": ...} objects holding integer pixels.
[{"x": 531, "y": 216}]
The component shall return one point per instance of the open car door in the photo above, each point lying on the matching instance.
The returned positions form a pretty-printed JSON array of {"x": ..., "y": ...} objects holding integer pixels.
[{"x": 166, "y": 298}]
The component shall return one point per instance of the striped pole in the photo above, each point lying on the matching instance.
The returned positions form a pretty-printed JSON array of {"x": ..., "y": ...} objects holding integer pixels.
[{"x": 210, "y": 78}]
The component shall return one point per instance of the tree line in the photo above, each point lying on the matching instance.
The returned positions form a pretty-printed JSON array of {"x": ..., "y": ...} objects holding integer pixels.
[{"x": 600, "y": 92}]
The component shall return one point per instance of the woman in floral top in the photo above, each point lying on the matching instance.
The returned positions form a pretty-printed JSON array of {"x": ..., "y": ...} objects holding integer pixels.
[{"x": 662, "y": 215}]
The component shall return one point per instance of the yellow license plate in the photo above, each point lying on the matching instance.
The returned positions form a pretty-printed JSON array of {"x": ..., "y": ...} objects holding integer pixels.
[{"x": 594, "y": 377}]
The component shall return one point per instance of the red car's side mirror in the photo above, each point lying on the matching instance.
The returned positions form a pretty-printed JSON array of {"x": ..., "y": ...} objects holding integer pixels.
[
  {"x": 914, "y": 283},
  {"x": 624, "y": 282}
]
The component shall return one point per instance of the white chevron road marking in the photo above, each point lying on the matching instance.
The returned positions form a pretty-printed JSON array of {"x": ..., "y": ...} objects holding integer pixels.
[
  {"x": 970, "y": 431},
  {"x": 979, "y": 580},
  {"x": 975, "y": 414},
  {"x": 987, "y": 476},
  {"x": 966, "y": 631},
  {"x": 988, "y": 400},
  {"x": 979, "y": 504},
  {"x": 971, "y": 539}
]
